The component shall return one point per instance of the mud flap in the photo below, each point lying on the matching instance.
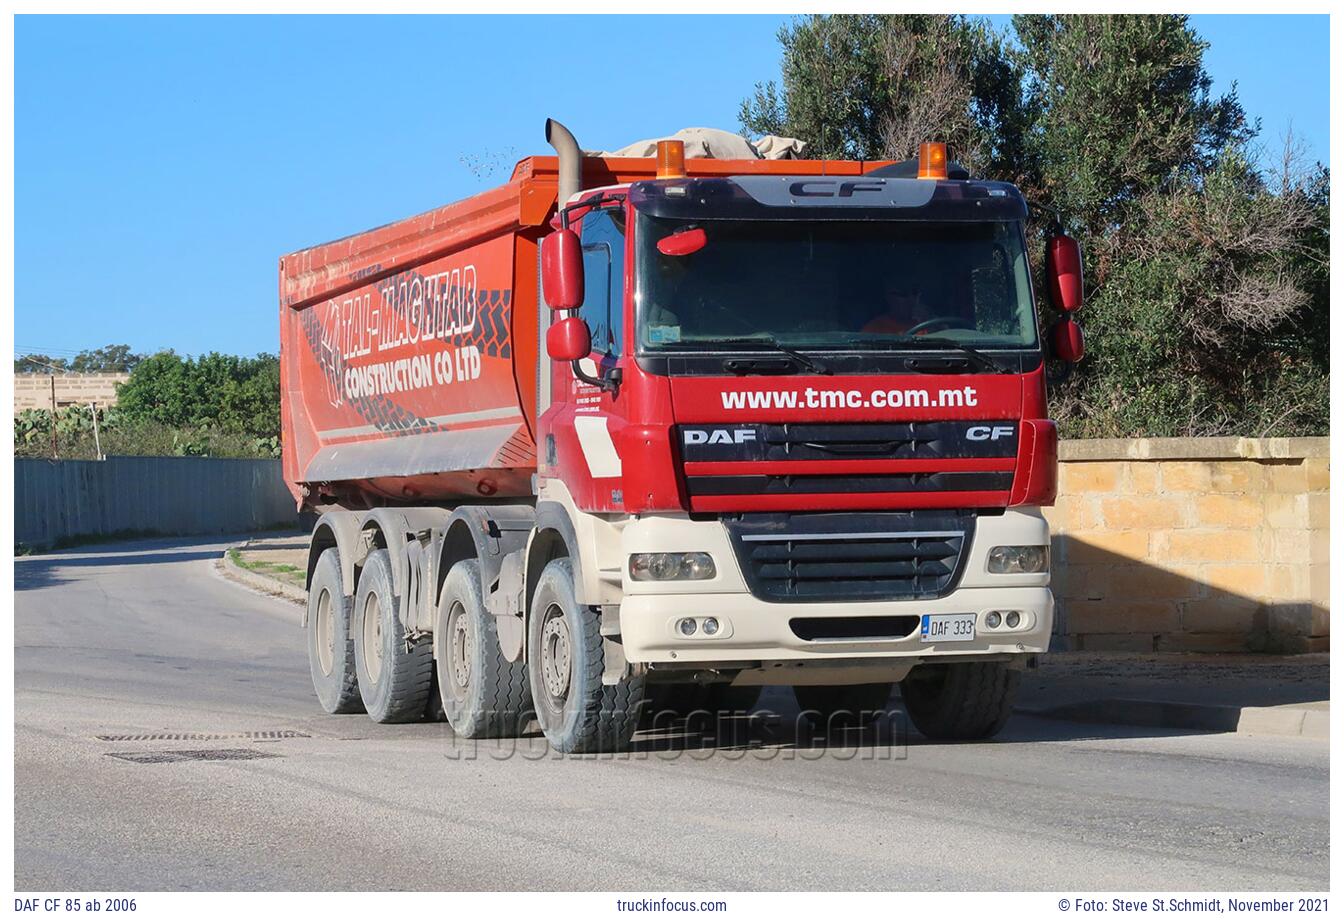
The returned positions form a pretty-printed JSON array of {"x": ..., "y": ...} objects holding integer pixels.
[{"x": 614, "y": 666}]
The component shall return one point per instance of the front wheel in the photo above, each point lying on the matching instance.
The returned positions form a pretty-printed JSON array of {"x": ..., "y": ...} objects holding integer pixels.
[
  {"x": 577, "y": 713},
  {"x": 960, "y": 702}
]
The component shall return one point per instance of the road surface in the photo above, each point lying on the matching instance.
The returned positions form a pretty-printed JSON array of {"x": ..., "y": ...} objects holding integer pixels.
[{"x": 119, "y": 648}]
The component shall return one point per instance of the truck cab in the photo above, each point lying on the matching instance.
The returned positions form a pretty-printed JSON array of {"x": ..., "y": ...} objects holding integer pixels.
[
  {"x": 806, "y": 417},
  {"x": 770, "y": 424}
]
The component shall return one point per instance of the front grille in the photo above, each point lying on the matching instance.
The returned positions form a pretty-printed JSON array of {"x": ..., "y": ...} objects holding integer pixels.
[
  {"x": 895, "y": 464},
  {"x": 853, "y": 441},
  {"x": 775, "y": 484},
  {"x": 873, "y": 556}
]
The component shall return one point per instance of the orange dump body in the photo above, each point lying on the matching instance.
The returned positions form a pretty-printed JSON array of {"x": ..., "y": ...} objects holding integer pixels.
[{"x": 409, "y": 352}]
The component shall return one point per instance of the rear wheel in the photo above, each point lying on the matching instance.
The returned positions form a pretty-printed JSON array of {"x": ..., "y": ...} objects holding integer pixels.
[
  {"x": 842, "y": 706},
  {"x": 394, "y": 671},
  {"x": 331, "y": 651},
  {"x": 578, "y": 714},
  {"x": 960, "y": 702},
  {"x": 484, "y": 694}
]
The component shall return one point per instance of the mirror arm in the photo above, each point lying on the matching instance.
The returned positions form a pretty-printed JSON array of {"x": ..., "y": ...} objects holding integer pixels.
[
  {"x": 610, "y": 381},
  {"x": 589, "y": 204},
  {"x": 1056, "y": 224}
]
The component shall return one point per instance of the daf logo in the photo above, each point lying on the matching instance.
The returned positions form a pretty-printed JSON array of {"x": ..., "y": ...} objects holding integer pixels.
[
  {"x": 986, "y": 433},
  {"x": 721, "y": 436}
]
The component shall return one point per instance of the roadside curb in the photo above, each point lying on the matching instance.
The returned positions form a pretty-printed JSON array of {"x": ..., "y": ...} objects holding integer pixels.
[
  {"x": 1283, "y": 721},
  {"x": 259, "y": 583}
]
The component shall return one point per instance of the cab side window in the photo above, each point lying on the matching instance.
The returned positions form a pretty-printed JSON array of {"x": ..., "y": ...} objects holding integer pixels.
[{"x": 603, "y": 240}]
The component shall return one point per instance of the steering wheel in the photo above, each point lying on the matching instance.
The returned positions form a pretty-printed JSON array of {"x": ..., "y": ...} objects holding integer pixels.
[{"x": 940, "y": 322}]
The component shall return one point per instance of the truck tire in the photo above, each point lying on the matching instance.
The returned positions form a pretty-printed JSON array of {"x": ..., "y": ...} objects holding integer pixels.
[
  {"x": 331, "y": 651},
  {"x": 434, "y": 703},
  {"x": 394, "y": 672},
  {"x": 842, "y": 706},
  {"x": 484, "y": 694},
  {"x": 960, "y": 702},
  {"x": 577, "y": 713}
]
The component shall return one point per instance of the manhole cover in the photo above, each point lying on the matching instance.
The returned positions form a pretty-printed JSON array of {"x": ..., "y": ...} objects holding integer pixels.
[
  {"x": 201, "y": 736},
  {"x": 175, "y": 756}
]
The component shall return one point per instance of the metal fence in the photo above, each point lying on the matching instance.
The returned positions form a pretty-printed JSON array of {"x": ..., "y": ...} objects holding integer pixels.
[{"x": 167, "y": 495}]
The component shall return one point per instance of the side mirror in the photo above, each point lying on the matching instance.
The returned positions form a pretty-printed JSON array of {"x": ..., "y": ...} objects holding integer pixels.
[
  {"x": 568, "y": 340},
  {"x": 683, "y": 242},
  {"x": 1064, "y": 272},
  {"x": 1066, "y": 340},
  {"x": 562, "y": 270}
]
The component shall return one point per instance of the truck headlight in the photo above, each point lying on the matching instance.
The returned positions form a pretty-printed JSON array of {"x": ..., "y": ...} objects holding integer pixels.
[
  {"x": 671, "y": 567},
  {"x": 1019, "y": 560}
]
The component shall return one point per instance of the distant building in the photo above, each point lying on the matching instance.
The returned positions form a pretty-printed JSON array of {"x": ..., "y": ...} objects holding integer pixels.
[{"x": 33, "y": 391}]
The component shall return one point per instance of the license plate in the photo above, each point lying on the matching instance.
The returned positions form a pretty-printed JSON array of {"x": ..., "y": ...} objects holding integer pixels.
[{"x": 947, "y": 627}]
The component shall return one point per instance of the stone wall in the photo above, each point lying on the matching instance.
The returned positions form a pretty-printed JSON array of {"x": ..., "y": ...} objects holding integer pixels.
[
  {"x": 33, "y": 391},
  {"x": 1193, "y": 544}
]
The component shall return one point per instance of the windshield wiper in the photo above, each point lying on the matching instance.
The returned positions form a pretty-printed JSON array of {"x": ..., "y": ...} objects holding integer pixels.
[
  {"x": 811, "y": 364},
  {"x": 934, "y": 342}
]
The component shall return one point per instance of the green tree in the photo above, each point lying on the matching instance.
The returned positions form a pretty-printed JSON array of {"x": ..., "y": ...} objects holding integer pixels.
[
  {"x": 875, "y": 86},
  {"x": 159, "y": 391},
  {"x": 1202, "y": 271},
  {"x": 1207, "y": 274},
  {"x": 1119, "y": 106},
  {"x": 109, "y": 359},
  {"x": 225, "y": 392},
  {"x": 38, "y": 364},
  {"x": 1213, "y": 318}
]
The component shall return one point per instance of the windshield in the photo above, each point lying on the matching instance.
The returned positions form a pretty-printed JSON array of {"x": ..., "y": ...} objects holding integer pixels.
[{"x": 834, "y": 284}]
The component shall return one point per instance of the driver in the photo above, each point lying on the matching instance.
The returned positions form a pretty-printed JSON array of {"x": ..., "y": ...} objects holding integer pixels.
[{"x": 904, "y": 307}]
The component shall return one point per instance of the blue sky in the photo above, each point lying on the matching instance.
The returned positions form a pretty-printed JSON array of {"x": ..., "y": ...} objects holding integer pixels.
[{"x": 163, "y": 164}]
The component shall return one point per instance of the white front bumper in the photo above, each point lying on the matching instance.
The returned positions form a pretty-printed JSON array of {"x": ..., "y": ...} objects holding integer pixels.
[{"x": 755, "y": 630}]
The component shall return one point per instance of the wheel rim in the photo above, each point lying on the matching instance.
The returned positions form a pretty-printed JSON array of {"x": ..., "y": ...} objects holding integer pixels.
[
  {"x": 373, "y": 637},
  {"x": 326, "y": 633},
  {"x": 459, "y": 652},
  {"x": 556, "y": 660}
]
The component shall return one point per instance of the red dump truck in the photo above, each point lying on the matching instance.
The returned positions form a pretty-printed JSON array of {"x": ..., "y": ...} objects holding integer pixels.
[{"x": 627, "y": 428}]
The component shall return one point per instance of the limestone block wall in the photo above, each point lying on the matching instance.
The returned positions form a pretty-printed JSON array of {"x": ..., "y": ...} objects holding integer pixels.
[
  {"x": 1193, "y": 544},
  {"x": 33, "y": 391}
]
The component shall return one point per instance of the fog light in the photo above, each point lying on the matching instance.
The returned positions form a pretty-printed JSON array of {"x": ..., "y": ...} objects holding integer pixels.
[
  {"x": 710, "y": 626},
  {"x": 1012, "y": 619},
  {"x": 672, "y": 567},
  {"x": 1019, "y": 560},
  {"x": 992, "y": 619},
  {"x": 687, "y": 627}
]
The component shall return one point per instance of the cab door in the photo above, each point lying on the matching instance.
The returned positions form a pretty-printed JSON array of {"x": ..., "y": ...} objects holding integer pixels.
[{"x": 585, "y": 419}]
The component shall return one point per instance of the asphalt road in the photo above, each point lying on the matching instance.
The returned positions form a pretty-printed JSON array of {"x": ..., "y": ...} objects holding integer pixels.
[{"x": 144, "y": 639}]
